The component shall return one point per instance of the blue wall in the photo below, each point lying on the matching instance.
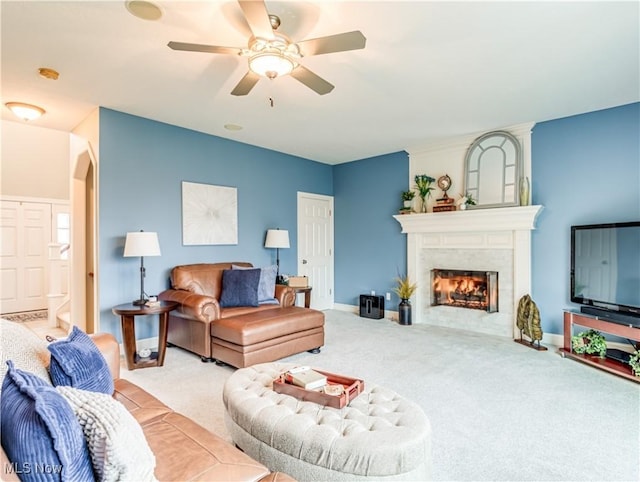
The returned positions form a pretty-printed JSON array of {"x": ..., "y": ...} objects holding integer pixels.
[
  {"x": 142, "y": 165},
  {"x": 370, "y": 249},
  {"x": 586, "y": 170}
]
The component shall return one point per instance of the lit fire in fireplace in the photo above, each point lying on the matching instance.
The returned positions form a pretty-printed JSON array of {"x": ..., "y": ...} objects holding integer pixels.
[{"x": 476, "y": 290}]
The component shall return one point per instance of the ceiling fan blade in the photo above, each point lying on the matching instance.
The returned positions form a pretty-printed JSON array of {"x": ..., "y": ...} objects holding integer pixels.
[
  {"x": 212, "y": 49},
  {"x": 311, "y": 80},
  {"x": 257, "y": 17},
  {"x": 246, "y": 84},
  {"x": 333, "y": 43}
]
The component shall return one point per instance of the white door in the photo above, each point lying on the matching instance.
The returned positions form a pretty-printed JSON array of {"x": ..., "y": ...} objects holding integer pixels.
[
  {"x": 25, "y": 229},
  {"x": 315, "y": 246}
]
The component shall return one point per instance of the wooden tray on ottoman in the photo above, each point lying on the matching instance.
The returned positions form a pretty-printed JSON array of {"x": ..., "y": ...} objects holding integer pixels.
[{"x": 352, "y": 388}]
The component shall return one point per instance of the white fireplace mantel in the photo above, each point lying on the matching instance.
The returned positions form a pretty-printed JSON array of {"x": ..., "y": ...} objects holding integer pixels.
[
  {"x": 471, "y": 220},
  {"x": 479, "y": 236}
]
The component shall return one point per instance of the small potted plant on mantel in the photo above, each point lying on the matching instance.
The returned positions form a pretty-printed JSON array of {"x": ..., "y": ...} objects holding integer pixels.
[
  {"x": 404, "y": 289},
  {"x": 464, "y": 201},
  {"x": 407, "y": 201}
]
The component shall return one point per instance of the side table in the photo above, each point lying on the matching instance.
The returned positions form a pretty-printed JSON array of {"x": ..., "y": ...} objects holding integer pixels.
[
  {"x": 127, "y": 313},
  {"x": 307, "y": 294}
]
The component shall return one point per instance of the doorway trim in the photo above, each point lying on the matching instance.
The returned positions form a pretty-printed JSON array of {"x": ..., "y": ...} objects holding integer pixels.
[
  {"x": 84, "y": 235},
  {"x": 301, "y": 242}
]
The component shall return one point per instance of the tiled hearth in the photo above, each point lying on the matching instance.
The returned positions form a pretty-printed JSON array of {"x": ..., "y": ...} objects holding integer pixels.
[{"x": 477, "y": 240}]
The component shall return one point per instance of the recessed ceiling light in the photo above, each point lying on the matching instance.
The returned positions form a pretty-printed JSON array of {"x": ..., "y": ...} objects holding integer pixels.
[
  {"x": 233, "y": 127},
  {"x": 47, "y": 73},
  {"x": 26, "y": 112},
  {"x": 144, "y": 10}
]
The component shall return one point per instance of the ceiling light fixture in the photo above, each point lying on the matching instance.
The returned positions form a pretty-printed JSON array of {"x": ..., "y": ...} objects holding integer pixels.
[
  {"x": 26, "y": 112},
  {"x": 49, "y": 74},
  {"x": 274, "y": 57},
  {"x": 271, "y": 64}
]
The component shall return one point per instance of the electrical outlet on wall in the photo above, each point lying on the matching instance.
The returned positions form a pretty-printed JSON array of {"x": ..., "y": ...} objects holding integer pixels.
[
  {"x": 388, "y": 296},
  {"x": 373, "y": 293}
]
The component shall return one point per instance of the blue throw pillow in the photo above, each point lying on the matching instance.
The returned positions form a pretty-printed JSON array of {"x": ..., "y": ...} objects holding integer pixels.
[
  {"x": 40, "y": 433},
  {"x": 239, "y": 287},
  {"x": 77, "y": 362},
  {"x": 267, "y": 284}
]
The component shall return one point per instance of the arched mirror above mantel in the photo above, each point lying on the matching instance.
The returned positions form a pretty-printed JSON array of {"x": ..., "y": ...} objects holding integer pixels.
[{"x": 493, "y": 167}]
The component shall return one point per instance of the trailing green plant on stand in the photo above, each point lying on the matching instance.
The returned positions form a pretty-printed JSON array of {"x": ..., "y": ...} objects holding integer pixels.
[
  {"x": 634, "y": 361},
  {"x": 590, "y": 343}
]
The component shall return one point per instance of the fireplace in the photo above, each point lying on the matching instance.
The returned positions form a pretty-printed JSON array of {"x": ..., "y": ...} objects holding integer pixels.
[
  {"x": 473, "y": 240},
  {"x": 476, "y": 290}
]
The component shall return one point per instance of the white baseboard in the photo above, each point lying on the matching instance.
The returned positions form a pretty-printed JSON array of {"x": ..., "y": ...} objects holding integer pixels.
[{"x": 388, "y": 314}]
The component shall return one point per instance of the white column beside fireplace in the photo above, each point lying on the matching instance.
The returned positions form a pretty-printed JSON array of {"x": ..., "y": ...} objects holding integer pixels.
[{"x": 480, "y": 240}]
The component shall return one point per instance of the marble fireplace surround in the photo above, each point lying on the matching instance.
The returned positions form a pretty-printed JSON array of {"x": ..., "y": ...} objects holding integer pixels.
[{"x": 496, "y": 239}]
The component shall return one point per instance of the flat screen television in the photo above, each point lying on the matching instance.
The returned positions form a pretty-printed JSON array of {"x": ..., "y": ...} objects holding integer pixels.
[{"x": 605, "y": 270}]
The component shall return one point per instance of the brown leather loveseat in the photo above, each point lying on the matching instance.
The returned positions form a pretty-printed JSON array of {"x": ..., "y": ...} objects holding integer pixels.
[
  {"x": 241, "y": 335},
  {"x": 183, "y": 450}
]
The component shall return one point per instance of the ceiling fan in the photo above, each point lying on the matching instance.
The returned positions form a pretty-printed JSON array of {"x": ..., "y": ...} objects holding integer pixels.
[{"x": 272, "y": 54}]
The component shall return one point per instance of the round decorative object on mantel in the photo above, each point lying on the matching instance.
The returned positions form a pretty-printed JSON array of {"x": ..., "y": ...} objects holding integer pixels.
[{"x": 444, "y": 183}]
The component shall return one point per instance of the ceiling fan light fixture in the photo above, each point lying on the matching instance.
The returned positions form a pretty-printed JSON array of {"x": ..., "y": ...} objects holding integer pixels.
[
  {"x": 144, "y": 10},
  {"x": 271, "y": 64},
  {"x": 24, "y": 111}
]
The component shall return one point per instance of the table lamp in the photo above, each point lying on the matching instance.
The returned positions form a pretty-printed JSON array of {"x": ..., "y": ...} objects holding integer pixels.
[
  {"x": 141, "y": 244},
  {"x": 277, "y": 238}
]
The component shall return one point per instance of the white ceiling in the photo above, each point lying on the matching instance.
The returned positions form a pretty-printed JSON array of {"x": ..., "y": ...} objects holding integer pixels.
[{"x": 430, "y": 70}]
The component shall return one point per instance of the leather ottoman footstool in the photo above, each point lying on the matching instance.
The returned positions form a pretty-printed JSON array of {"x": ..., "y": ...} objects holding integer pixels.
[
  {"x": 266, "y": 335},
  {"x": 378, "y": 436}
]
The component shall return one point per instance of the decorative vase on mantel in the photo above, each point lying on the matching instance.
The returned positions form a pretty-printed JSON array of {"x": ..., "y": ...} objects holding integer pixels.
[
  {"x": 404, "y": 312},
  {"x": 524, "y": 191},
  {"x": 423, "y": 204}
]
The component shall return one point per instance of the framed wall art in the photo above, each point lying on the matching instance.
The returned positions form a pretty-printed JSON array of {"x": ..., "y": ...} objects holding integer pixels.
[{"x": 209, "y": 214}]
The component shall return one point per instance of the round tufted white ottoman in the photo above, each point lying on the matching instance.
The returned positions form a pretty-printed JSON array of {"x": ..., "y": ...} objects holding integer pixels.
[{"x": 378, "y": 436}]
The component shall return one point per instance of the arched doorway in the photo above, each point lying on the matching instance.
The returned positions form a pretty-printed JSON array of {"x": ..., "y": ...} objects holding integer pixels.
[{"x": 83, "y": 289}]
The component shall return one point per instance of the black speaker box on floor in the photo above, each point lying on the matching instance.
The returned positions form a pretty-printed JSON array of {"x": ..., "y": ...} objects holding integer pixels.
[{"x": 372, "y": 306}]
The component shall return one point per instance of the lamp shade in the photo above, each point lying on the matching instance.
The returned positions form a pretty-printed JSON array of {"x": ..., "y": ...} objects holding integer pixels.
[
  {"x": 141, "y": 243},
  {"x": 277, "y": 238}
]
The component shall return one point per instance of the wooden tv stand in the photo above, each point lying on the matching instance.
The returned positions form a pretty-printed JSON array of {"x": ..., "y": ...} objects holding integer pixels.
[{"x": 572, "y": 318}]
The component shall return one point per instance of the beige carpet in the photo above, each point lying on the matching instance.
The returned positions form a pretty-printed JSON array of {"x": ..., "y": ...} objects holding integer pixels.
[{"x": 499, "y": 410}]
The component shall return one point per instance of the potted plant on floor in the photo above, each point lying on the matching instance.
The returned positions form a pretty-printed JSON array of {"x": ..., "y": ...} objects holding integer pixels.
[{"x": 404, "y": 289}]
